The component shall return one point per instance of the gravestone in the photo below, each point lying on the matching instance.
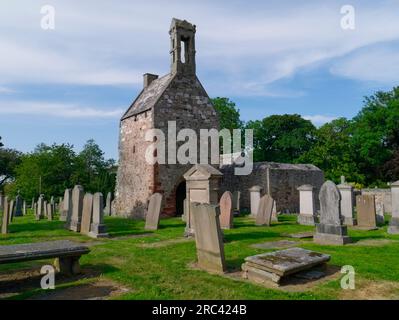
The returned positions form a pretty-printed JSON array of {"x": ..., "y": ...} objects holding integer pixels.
[
  {"x": 6, "y": 216},
  {"x": 1, "y": 201},
  {"x": 77, "y": 207},
  {"x": 24, "y": 208},
  {"x": 40, "y": 207},
  {"x": 11, "y": 211},
  {"x": 52, "y": 202},
  {"x": 45, "y": 209},
  {"x": 274, "y": 212},
  {"x": 365, "y": 208},
  {"x": 35, "y": 210},
  {"x": 32, "y": 203},
  {"x": 347, "y": 210},
  {"x": 185, "y": 210},
  {"x": 66, "y": 210},
  {"x": 254, "y": 195},
  {"x": 226, "y": 210},
  {"x": 236, "y": 202},
  {"x": 153, "y": 212},
  {"x": 87, "y": 213},
  {"x": 108, "y": 205},
  {"x": 265, "y": 211},
  {"x": 50, "y": 212},
  {"x": 97, "y": 228},
  {"x": 330, "y": 229},
  {"x": 307, "y": 208},
  {"x": 394, "y": 223},
  {"x": 18, "y": 206},
  {"x": 208, "y": 237},
  {"x": 380, "y": 212}
]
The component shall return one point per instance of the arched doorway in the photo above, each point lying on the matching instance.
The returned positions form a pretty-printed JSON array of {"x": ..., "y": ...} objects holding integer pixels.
[{"x": 180, "y": 196}]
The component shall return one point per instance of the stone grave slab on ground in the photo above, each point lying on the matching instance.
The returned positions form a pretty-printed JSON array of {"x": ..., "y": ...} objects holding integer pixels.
[
  {"x": 330, "y": 229},
  {"x": 87, "y": 213},
  {"x": 265, "y": 211},
  {"x": 97, "y": 228},
  {"x": 275, "y": 267},
  {"x": 281, "y": 244},
  {"x": 153, "y": 212},
  {"x": 365, "y": 208},
  {"x": 208, "y": 237},
  {"x": 299, "y": 235},
  {"x": 226, "y": 210}
]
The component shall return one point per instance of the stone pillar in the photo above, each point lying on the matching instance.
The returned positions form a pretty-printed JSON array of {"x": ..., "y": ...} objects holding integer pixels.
[
  {"x": 108, "y": 205},
  {"x": 40, "y": 207},
  {"x": 6, "y": 218},
  {"x": 307, "y": 208},
  {"x": 98, "y": 229},
  {"x": 347, "y": 210},
  {"x": 77, "y": 207},
  {"x": 11, "y": 211},
  {"x": 394, "y": 224},
  {"x": 202, "y": 186},
  {"x": 254, "y": 196}
]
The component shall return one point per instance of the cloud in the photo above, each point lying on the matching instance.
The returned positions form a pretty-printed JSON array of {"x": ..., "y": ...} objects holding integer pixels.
[
  {"x": 319, "y": 119},
  {"x": 6, "y": 90},
  {"x": 58, "y": 110}
]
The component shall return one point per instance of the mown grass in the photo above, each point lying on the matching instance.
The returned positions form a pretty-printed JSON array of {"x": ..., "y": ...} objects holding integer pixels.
[{"x": 164, "y": 272}]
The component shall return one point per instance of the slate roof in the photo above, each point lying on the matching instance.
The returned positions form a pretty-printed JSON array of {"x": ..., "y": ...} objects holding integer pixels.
[{"x": 149, "y": 96}]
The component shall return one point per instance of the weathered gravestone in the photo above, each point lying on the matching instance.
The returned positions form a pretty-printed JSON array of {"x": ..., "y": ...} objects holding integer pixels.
[
  {"x": 6, "y": 214},
  {"x": 185, "y": 210},
  {"x": 18, "y": 206},
  {"x": 236, "y": 202},
  {"x": 97, "y": 228},
  {"x": 265, "y": 211},
  {"x": 330, "y": 229},
  {"x": 40, "y": 207},
  {"x": 108, "y": 205},
  {"x": 307, "y": 209},
  {"x": 347, "y": 210},
  {"x": 365, "y": 208},
  {"x": 87, "y": 213},
  {"x": 45, "y": 209},
  {"x": 35, "y": 210},
  {"x": 24, "y": 208},
  {"x": 226, "y": 212},
  {"x": 153, "y": 212},
  {"x": 208, "y": 237},
  {"x": 274, "y": 212},
  {"x": 50, "y": 212},
  {"x": 66, "y": 209},
  {"x": 394, "y": 224},
  {"x": 254, "y": 195},
  {"x": 11, "y": 210},
  {"x": 77, "y": 207},
  {"x": 32, "y": 206},
  {"x": 380, "y": 212}
]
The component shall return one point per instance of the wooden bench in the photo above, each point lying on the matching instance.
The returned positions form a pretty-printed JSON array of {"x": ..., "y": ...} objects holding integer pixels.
[{"x": 67, "y": 254}]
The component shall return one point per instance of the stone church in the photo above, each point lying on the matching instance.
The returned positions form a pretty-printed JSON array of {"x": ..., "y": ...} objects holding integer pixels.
[{"x": 179, "y": 96}]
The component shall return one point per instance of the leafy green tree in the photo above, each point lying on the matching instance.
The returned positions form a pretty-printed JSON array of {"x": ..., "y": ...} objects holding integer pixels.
[
  {"x": 229, "y": 114},
  {"x": 281, "y": 138},
  {"x": 9, "y": 159},
  {"x": 333, "y": 153}
]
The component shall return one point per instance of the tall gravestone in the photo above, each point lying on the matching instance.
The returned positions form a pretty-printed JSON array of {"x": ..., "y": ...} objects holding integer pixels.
[
  {"x": 236, "y": 202},
  {"x": 35, "y": 210},
  {"x": 153, "y": 212},
  {"x": 365, "y": 208},
  {"x": 6, "y": 218},
  {"x": 380, "y": 212},
  {"x": 52, "y": 202},
  {"x": 307, "y": 208},
  {"x": 32, "y": 205},
  {"x": 77, "y": 207},
  {"x": 97, "y": 228},
  {"x": 254, "y": 197},
  {"x": 66, "y": 210},
  {"x": 274, "y": 212},
  {"x": 185, "y": 210},
  {"x": 394, "y": 223},
  {"x": 347, "y": 210},
  {"x": 40, "y": 207},
  {"x": 50, "y": 212},
  {"x": 45, "y": 208},
  {"x": 87, "y": 213},
  {"x": 11, "y": 211},
  {"x": 108, "y": 205},
  {"x": 24, "y": 208},
  {"x": 265, "y": 210},
  {"x": 208, "y": 237},
  {"x": 18, "y": 206},
  {"x": 330, "y": 230},
  {"x": 226, "y": 210}
]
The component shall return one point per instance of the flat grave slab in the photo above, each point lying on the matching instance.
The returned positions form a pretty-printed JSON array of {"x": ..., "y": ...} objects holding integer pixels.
[
  {"x": 300, "y": 235},
  {"x": 274, "y": 266},
  {"x": 282, "y": 244}
]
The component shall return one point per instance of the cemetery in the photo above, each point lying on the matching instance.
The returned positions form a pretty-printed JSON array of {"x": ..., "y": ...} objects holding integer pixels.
[{"x": 147, "y": 230}]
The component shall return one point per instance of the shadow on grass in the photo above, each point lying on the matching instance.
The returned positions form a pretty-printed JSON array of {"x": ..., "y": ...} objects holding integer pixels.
[{"x": 250, "y": 236}]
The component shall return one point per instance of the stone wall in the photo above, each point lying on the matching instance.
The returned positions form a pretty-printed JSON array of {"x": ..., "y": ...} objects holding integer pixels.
[
  {"x": 281, "y": 179},
  {"x": 381, "y": 196}
]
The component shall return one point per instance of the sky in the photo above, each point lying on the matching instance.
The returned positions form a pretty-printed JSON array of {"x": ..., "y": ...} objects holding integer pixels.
[{"x": 72, "y": 83}]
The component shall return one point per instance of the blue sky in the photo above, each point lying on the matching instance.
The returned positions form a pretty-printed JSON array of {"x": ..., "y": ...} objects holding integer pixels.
[{"x": 270, "y": 57}]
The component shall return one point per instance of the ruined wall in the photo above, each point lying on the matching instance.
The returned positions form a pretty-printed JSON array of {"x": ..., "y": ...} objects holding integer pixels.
[
  {"x": 135, "y": 179},
  {"x": 282, "y": 180},
  {"x": 186, "y": 102}
]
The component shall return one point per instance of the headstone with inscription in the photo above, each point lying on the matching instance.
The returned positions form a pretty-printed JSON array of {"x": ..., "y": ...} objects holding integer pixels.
[
  {"x": 77, "y": 207},
  {"x": 226, "y": 210},
  {"x": 265, "y": 210},
  {"x": 153, "y": 212},
  {"x": 97, "y": 228},
  {"x": 87, "y": 213}
]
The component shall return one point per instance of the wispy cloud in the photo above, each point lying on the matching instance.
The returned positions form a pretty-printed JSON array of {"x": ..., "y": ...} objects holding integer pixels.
[
  {"x": 319, "y": 119},
  {"x": 6, "y": 90},
  {"x": 58, "y": 110}
]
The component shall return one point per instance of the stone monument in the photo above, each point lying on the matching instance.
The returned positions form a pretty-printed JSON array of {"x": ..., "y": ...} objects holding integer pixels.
[
  {"x": 153, "y": 212},
  {"x": 265, "y": 210},
  {"x": 365, "y": 208},
  {"x": 98, "y": 229},
  {"x": 307, "y": 208},
  {"x": 347, "y": 210},
  {"x": 254, "y": 195},
  {"x": 394, "y": 224},
  {"x": 77, "y": 207},
  {"x": 87, "y": 213},
  {"x": 226, "y": 210}
]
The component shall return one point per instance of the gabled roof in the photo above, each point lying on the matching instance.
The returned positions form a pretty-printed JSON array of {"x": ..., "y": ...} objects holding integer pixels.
[
  {"x": 149, "y": 96},
  {"x": 201, "y": 172}
]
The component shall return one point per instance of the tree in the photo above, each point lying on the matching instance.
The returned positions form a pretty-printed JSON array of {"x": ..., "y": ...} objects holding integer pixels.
[
  {"x": 281, "y": 138},
  {"x": 333, "y": 153},
  {"x": 229, "y": 115},
  {"x": 9, "y": 159}
]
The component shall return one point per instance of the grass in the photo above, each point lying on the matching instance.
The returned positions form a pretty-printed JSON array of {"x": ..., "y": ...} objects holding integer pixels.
[{"x": 163, "y": 272}]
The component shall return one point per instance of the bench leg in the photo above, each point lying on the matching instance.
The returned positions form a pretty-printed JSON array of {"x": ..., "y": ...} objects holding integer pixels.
[{"x": 68, "y": 265}]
